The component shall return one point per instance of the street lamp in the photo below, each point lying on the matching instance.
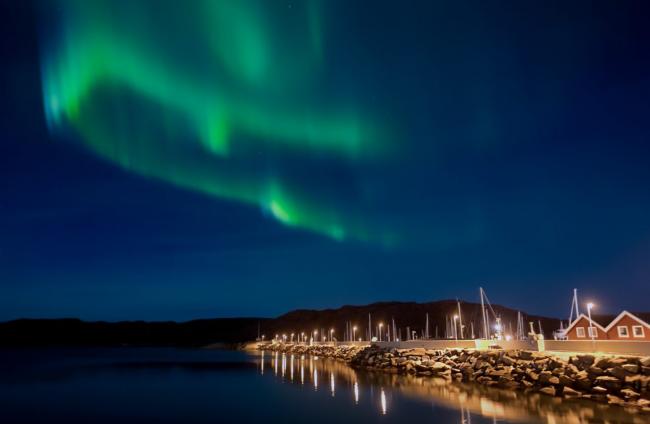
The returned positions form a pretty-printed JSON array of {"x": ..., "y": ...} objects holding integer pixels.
[
  {"x": 331, "y": 334},
  {"x": 315, "y": 334},
  {"x": 302, "y": 336},
  {"x": 381, "y": 324},
  {"x": 456, "y": 327},
  {"x": 291, "y": 337},
  {"x": 591, "y": 326},
  {"x": 354, "y": 333}
]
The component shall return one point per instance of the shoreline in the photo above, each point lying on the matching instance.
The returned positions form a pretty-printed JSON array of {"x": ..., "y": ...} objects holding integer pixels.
[{"x": 615, "y": 380}]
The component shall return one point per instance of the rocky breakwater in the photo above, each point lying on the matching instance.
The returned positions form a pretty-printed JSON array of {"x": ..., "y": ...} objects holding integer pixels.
[
  {"x": 342, "y": 352},
  {"x": 623, "y": 381}
]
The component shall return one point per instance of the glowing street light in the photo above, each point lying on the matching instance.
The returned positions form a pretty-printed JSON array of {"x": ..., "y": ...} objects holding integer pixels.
[
  {"x": 381, "y": 324},
  {"x": 302, "y": 336},
  {"x": 354, "y": 332},
  {"x": 291, "y": 337},
  {"x": 331, "y": 334}
]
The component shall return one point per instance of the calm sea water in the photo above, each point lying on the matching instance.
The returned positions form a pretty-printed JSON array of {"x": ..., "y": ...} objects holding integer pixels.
[{"x": 130, "y": 385}]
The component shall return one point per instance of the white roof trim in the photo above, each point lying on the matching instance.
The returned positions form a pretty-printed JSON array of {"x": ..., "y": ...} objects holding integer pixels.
[
  {"x": 587, "y": 318},
  {"x": 629, "y": 314}
]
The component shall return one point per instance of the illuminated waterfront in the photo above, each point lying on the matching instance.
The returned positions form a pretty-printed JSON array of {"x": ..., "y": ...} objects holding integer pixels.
[{"x": 401, "y": 396}]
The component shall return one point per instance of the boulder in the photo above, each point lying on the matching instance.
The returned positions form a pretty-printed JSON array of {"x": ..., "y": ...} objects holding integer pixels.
[
  {"x": 483, "y": 379},
  {"x": 569, "y": 392},
  {"x": 630, "y": 394},
  {"x": 523, "y": 354},
  {"x": 609, "y": 382},
  {"x": 603, "y": 363},
  {"x": 631, "y": 368},
  {"x": 598, "y": 390},
  {"x": 549, "y": 390},
  {"x": 506, "y": 360},
  {"x": 544, "y": 377},
  {"x": 439, "y": 366},
  {"x": 615, "y": 400},
  {"x": 566, "y": 381},
  {"x": 595, "y": 371},
  {"x": 617, "y": 372},
  {"x": 618, "y": 361},
  {"x": 585, "y": 360},
  {"x": 498, "y": 373}
]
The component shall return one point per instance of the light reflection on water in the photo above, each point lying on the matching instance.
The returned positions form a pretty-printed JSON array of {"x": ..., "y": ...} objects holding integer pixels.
[
  {"x": 384, "y": 409},
  {"x": 356, "y": 391},
  {"x": 472, "y": 401}
]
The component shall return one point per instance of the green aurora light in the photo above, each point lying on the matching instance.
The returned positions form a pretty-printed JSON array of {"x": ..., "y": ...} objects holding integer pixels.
[{"x": 191, "y": 95}]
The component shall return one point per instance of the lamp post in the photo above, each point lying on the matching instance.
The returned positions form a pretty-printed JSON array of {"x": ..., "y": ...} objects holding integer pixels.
[
  {"x": 354, "y": 333},
  {"x": 456, "y": 327},
  {"x": 331, "y": 334},
  {"x": 591, "y": 326},
  {"x": 292, "y": 337},
  {"x": 381, "y": 324},
  {"x": 315, "y": 334}
]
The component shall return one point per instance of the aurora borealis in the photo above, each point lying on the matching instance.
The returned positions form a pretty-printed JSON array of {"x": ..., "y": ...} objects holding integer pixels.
[
  {"x": 162, "y": 160},
  {"x": 227, "y": 76}
]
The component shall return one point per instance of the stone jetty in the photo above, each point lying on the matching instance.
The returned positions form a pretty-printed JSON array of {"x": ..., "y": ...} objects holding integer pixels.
[{"x": 622, "y": 381}]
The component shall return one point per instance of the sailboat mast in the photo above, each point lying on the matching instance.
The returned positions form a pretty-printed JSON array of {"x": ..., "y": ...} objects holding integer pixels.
[
  {"x": 486, "y": 333},
  {"x": 460, "y": 318},
  {"x": 426, "y": 327},
  {"x": 369, "y": 328}
]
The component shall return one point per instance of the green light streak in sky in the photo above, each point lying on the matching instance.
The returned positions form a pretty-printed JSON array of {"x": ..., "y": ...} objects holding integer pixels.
[{"x": 170, "y": 92}]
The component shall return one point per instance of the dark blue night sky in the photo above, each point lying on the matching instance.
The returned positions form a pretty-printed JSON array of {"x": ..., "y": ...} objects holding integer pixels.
[{"x": 511, "y": 150}]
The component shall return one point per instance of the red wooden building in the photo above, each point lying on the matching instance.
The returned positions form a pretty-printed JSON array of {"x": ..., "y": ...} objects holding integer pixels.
[
  {"x": 625, "y": 326},
  {"x": 579, "y": 329}
]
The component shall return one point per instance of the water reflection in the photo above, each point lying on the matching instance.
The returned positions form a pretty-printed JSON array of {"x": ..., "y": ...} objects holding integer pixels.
[
  {"x": 291, "y": 367},
  {"x": 275, "y": 363},
  {"x": 471, "y": 400},
  {"x": 302, "y": 369}
]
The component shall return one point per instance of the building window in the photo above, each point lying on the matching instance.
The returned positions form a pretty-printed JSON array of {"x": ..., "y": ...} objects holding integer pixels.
[
  {"x": 638, "y": 331},
  {"x": 593, "y": 332},
  {"x": 580, "y": 332},
  {"x": 622, "y": 331}
]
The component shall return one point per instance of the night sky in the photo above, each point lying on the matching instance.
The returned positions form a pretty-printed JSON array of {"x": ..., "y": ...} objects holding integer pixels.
[{"x": 246, "y": 158}]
